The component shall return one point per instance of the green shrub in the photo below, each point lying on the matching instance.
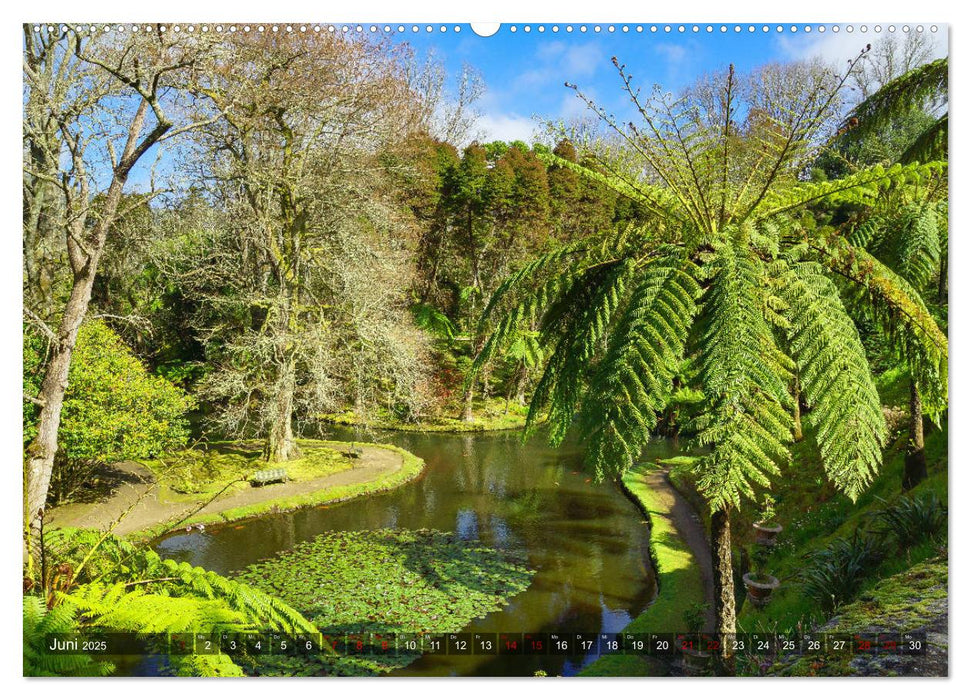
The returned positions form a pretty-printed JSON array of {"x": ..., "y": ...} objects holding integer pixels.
[
  {"x": 912, "y": 520},
  {"x": 836, "y": 573},
  {"x": 114, "y": 408}
]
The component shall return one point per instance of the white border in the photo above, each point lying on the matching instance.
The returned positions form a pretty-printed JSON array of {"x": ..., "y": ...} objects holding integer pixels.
[{"x": 762, "y": 11}]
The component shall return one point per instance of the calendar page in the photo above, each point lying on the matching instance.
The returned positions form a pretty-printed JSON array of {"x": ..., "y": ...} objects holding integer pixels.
[{"x": 515, "y": 349}]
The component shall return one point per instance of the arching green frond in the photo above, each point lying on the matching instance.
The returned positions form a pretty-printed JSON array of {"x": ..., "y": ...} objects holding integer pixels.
[
  {"x": 912, "y": 244},
  {"x": 930, "y": 145},
  {"x": 915, "y": 87},
  {"x": 835, "y": 379},
  {"x": 657, "y": 199},
  {"x": 897, "y": 310},
  {"x": 868, "y": 233},
  {"x": 131, "y": 609},
  {"x": 745, "y": 382},
  {"x": 861, "y": 187},
  {"x": 575, "y": 325},
  {"x": 630, "y": 386},
  {"x": 543, "y": 265},
  {"x": 40, "y": 622}
]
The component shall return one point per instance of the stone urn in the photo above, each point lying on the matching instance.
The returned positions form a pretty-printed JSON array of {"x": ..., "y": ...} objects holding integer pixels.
[
  {"x": 766, "y": 533},
  {"x": 759, "y": 588}
]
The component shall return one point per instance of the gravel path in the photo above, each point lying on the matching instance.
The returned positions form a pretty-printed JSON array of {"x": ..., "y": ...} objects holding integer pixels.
[{"x": 136, "y": 504}]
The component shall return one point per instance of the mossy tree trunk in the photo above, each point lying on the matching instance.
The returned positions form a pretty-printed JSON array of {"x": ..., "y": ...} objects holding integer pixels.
[
  {"x": 721, "y": 559},
  {"x": 915, "y": 462},
  {"x": 281, "y": 446}
]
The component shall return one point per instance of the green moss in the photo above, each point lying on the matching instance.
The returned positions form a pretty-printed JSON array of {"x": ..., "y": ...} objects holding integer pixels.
[
  {"x": 903, "y": 602},
  {"x": 679, "y": 581}
]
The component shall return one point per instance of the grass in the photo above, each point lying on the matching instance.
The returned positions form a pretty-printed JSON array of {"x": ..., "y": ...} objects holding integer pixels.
[
  {"x": 679, "y": 582},
  {"x": 193, "y": 475},
  {"x": 490, "y": 414},
  {"x": 411, "y": 467}
]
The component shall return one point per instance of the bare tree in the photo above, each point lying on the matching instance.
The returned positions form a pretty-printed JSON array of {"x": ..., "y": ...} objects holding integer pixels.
[
  {"x": 890, "y": 57},
  {"x": 96, "y": 104},
  {"x": 295, "y": 163}
]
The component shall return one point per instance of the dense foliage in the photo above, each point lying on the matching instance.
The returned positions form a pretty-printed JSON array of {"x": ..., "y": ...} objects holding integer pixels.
[{"x": 114, "y": 409}]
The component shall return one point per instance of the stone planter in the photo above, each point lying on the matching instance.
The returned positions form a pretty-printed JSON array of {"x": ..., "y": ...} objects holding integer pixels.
[
  {"x": 766, "y": 533},
  {"x": 759, "y": 588},
  {"x": 695, "y": 662}
]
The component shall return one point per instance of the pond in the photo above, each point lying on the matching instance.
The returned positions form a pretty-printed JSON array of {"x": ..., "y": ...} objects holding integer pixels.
[{"x": 587, "y": 542}]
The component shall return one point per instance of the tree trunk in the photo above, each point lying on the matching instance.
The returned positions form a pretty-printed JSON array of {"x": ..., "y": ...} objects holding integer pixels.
[
  {"x": 467, "y": 403},
  {"x": 796, "y": 414},
  {"x": 721, "y": 559},
  {"x": 915, "y": 462},
  {"x": 84, "y": 258},
  {"x": 280, "y": 443}
]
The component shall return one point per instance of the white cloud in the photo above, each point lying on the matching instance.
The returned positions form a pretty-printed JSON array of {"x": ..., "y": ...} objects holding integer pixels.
[
  {"x": 840, "y": 47},
  {"x": 506, "y": 127},
  {"x": 671, "y": 53}
]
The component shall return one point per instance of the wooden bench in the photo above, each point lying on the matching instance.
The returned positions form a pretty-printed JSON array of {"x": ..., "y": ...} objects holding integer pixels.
[
  {"x": 268, "y": 476},
  {"x": 352, "y": 453}
]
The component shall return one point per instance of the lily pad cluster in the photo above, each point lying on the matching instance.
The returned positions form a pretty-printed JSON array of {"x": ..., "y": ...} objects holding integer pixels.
[{"x": 403, "y": 581}]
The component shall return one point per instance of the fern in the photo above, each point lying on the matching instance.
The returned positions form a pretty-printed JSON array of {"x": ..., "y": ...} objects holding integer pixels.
[
  {"x": 39, "y": 622},
  {"x": 121, "y": 608},
  {"x": 835, "y": 378},
  {"x": 744, "y": 376},
  {"x": 919, "y": 86},
  {"x": 883, "y": 297},
  {"x": 911, "y": 244},
  {"x": 631, "y": 386}
]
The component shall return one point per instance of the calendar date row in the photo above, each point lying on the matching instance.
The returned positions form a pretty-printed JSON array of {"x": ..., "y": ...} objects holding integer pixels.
[{"x": 490, "y": 643}]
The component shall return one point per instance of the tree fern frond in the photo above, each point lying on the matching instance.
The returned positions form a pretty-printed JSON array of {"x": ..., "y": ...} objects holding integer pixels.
[
  {"x": 835, "y": 379},
  {"x": 39, "y": 622},
  {"x": 657, "y": 199},
  {"x": 745, "y": 382},
  {"x": 915, "y": 87},
  {"x": 124, "y": 609},
  {"x": 630, "y": 386},
  {"x": 930, "y": 145},
  {"x": 912, "y": 245},
  {"x": 861, "y": 187},
  {"x": 889, "y": 301},
  {"x": 573, "y": 325}
]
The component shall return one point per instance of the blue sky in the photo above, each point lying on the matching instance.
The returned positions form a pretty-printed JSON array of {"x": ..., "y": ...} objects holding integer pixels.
[{"x": 524, "y": 71}]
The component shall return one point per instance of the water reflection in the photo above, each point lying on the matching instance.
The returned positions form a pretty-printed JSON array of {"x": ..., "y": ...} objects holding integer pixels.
[{"x": 587, "y": 542}]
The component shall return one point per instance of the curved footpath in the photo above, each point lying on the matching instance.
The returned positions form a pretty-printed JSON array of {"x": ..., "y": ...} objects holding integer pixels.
[
  {"x": 136, "y": 502},
  {"x": 682, "y": 564}
]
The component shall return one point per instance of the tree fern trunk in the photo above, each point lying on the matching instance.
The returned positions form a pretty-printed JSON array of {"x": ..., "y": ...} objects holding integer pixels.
[
  {"x": 721, "y": 559},
  {"x": 915, "y": 463},
  {"x": 796, "y": 413}
]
